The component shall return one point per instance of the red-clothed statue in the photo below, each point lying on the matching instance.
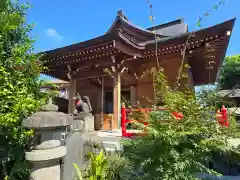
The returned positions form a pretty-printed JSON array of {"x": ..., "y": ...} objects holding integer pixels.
[{"x": 222, "y": 117}]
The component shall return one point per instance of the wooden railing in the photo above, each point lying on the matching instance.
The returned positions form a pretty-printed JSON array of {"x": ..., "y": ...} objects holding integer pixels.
[
  {"x": 222, "y": 118},
  {"x": 125, "y": 119}
]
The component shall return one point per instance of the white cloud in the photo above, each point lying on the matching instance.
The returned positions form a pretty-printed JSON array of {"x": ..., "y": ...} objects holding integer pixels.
[{"x": 51, "y": 32}]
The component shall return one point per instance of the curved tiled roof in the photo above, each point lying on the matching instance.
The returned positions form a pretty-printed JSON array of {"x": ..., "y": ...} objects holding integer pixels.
[{"x": 124, "y": 21}]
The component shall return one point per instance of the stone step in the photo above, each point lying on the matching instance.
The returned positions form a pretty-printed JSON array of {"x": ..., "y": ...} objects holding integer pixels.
[
  {"x": 111, "y": 145},
  {"x": 109, "y": 133},
  {"x": 110, "y": 139}
]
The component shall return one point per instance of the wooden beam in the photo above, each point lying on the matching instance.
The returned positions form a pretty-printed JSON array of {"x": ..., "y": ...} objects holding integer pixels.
[
  {"x": 94, "y": 72},
  {"x": 82, "y": 65},
  {"x": 80, "y": 53},
  {"x": 99, "y": 86},
  {"x": 105, "y": 62},
  {"x": 72, "y": 94}
]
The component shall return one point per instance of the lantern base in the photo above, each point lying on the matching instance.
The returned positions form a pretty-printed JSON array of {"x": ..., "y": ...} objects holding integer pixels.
[{"x": 47, "y": 170}]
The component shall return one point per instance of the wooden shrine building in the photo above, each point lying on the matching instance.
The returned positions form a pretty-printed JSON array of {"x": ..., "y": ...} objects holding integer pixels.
[{"x": 111, "y": 66}]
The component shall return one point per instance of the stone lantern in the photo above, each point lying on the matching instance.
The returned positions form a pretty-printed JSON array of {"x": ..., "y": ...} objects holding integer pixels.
[{"x": 50, "y": 132}]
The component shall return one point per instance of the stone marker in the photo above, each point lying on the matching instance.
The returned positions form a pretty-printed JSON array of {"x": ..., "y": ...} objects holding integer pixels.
[
  {"x": 50, "y": 133},
  {"x": 84, "y": 122},
  {"x": 78, "y": 145}
]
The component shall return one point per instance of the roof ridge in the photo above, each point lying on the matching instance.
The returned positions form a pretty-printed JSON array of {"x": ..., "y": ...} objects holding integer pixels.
[
  {"x": 164, "y": 25},
  {"x": 123, "y": 18},
  {"x": 122, "y": 15}
]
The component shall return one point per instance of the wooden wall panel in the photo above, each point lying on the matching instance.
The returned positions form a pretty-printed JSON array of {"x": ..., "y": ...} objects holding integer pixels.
[{"x": 145, "y": 94}]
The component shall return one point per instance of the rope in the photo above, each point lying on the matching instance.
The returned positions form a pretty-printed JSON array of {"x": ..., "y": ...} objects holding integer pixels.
[
  {"x": 102, "y": 99},
  {"x": 154, "y": 88}
]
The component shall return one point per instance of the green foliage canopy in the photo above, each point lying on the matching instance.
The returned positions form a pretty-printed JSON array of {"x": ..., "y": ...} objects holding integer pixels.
[
  {"x": 230, "y": 73},
  {"x": 19, "y": 85}
]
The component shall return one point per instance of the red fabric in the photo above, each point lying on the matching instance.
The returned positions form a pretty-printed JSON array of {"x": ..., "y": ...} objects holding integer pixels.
[
  {"x": 123, "y": 120},
  {"x": 222, "y": 117},
  {"x": 178, "y": 115},
  {"x": 77, "y": 102}
]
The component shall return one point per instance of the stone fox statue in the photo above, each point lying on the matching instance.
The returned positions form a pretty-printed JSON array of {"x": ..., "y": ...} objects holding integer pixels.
[
  {"x": 83, "y": 105},
  {"x": 87, "y": 100}
]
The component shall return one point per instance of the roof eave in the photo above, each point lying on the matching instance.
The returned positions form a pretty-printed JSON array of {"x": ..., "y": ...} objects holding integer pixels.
[{"x": 229, "y": 23}]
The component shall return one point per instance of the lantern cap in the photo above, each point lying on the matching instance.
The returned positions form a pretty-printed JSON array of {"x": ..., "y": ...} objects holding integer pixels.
[
  {"x": 50, "y": 106},
  {"x": 48, "y": 118}
]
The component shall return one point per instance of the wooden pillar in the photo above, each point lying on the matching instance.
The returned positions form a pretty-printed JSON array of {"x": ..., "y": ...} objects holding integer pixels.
[
  {"x": 117, "y": 100},
  {"x": 190, "y": 79},
  {"x": 71, "y": 98}
]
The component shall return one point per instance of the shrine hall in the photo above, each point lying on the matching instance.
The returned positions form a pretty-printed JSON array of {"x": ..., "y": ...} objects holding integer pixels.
[{"x": 115, "y": 66}]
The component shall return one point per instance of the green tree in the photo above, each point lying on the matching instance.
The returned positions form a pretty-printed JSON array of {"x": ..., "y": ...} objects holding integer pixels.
[
  {"x": 19, "y": 86},
  {"x": 230, "y": 73}
]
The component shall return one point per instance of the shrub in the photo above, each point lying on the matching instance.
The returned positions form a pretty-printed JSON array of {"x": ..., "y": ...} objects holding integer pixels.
[
  {"x": 180, "y": 148},
  {"x": 19, "y": 92}
]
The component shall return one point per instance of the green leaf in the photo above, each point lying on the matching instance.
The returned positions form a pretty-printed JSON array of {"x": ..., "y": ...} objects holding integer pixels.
[
  {"x": 199, "y": 24},
  {"x": 215, "y": 7},
  {"x": 79, "y": 174}
]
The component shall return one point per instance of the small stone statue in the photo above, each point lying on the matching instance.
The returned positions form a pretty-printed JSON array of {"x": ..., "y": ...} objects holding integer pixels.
[
  {"x": 87, "y": 100},
  {"x": 83, "y": 106},
  {"x": 83, "y": 118}
]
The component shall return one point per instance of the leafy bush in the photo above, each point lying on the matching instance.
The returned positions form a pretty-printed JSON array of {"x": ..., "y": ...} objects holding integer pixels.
[
  {"x": 104, "y": 166},
  {"x": 180, "y": 148},
  {"x": 19, "y": 92}
]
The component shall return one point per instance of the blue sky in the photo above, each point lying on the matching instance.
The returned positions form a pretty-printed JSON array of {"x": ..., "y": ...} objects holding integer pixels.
[{"x": 60, "y": 23}]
